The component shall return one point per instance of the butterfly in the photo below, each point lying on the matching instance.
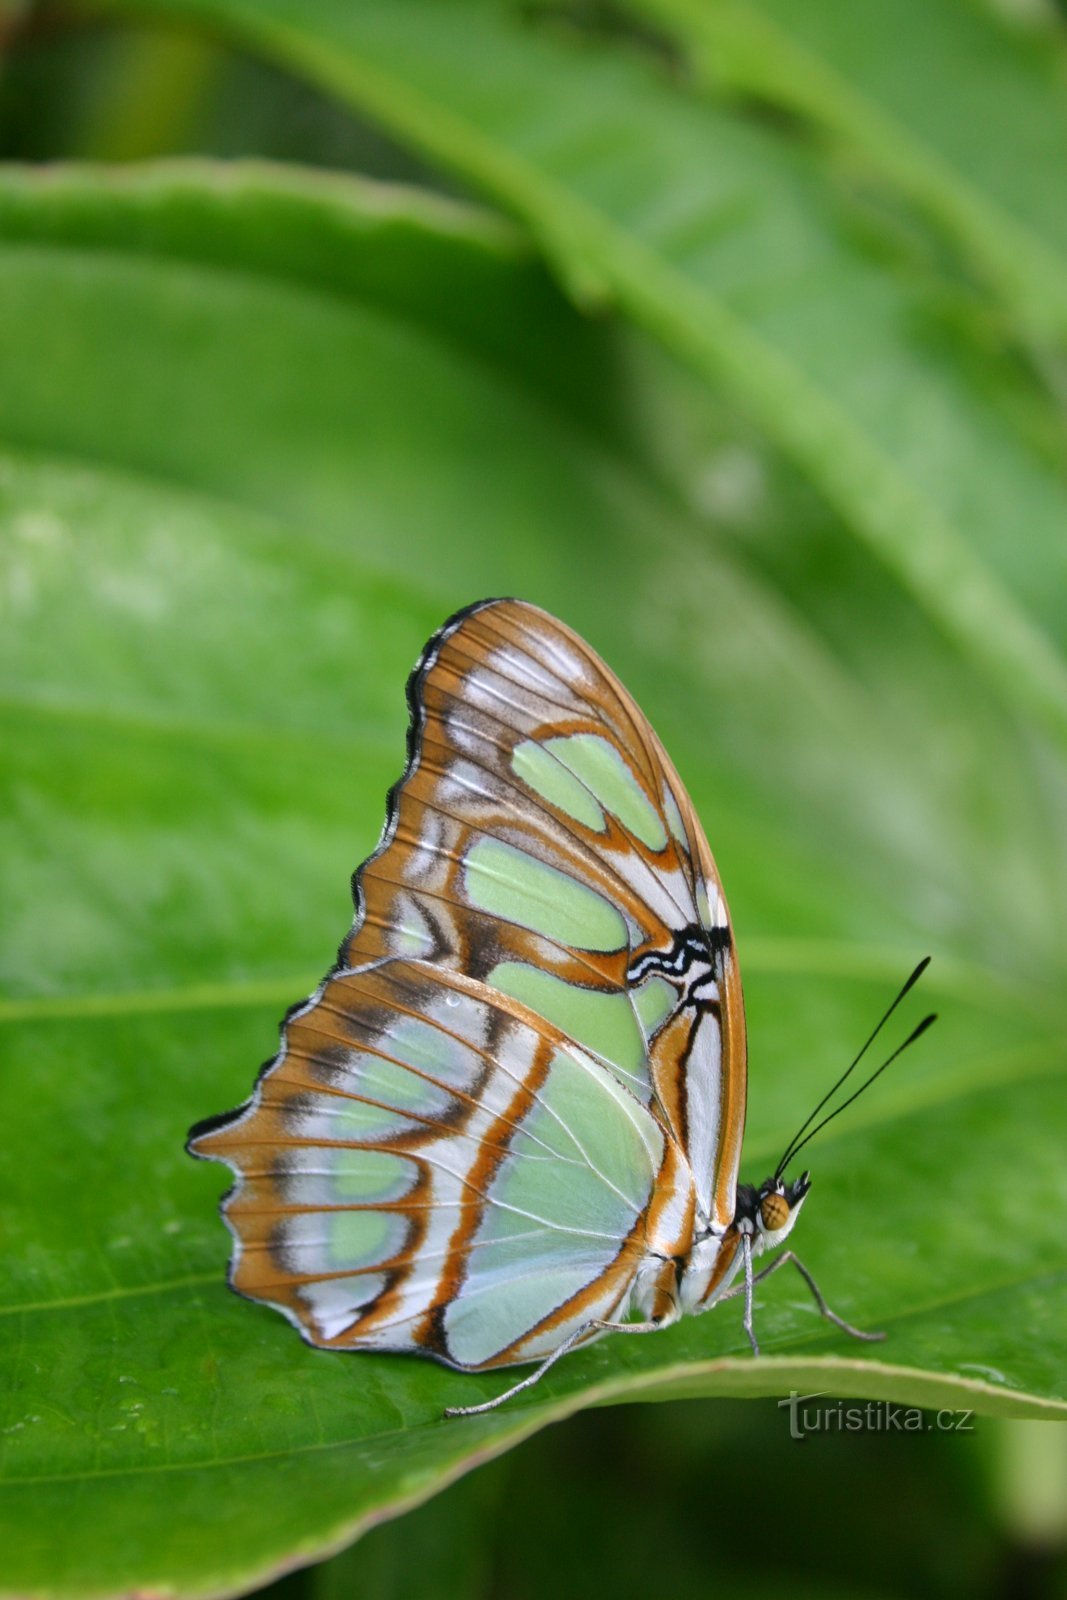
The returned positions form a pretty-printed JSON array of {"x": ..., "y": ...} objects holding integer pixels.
[{"x": 510, "y": 1117}]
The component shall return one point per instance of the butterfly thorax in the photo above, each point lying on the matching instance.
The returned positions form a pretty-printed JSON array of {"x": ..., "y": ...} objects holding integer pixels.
[{"x": 669, "y": 1287}]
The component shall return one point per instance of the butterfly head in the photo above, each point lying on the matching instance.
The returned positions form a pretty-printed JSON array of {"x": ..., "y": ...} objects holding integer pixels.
[
  {"x": 768, "y": 1213},
  {"x": 777, "y": 1205}
]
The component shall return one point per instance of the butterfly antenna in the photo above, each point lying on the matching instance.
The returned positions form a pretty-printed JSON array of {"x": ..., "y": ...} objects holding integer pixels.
[
  {"x": 915, "y": 1034},
  {"x": 794, "y": 1144}
]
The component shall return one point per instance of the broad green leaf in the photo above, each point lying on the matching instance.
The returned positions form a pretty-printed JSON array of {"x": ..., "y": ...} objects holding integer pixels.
[
  {"x": 720, "y": 237},
  {"x": 258, "y": 435},
  {"x": 962, "y": 114}
]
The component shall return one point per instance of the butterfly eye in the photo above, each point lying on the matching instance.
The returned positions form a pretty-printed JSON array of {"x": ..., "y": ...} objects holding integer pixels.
[{"x": 774, "y": 1212}]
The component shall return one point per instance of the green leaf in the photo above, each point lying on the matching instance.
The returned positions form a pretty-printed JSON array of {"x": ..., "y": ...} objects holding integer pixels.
[
  {"x": 259, "y": 435},
  {"x": 972, "y": 125},
  {"x": 721, "y": 238}
]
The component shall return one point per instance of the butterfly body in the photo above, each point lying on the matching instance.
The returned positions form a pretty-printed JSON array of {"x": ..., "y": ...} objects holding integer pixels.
[{"x": 513, "y": 1110}]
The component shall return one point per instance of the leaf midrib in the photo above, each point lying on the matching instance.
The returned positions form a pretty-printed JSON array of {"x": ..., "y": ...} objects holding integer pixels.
[
  {"x": 154, "y": 723},
  {"x": 617, "y": 1388},
  {"x": 1042, "y": 1056}
]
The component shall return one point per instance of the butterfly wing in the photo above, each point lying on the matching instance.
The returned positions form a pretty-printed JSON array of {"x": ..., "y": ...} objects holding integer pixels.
[
  {"x": 426, "y": 1167},
  {"x": 542, "y": 874}
]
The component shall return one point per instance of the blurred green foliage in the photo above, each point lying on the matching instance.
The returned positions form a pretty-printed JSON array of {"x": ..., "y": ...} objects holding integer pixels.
[{"x": 753, "y": 369}]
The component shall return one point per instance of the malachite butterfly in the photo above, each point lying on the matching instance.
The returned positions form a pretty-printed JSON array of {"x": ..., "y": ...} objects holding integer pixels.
[{"x": 512, "y": 1112}]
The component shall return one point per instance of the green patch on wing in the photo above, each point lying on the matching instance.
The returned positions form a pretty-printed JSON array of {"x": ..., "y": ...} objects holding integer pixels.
[
  {"x": 597, "y": 764},
  {"x": 607, "y": 1024},
  {"x": 653, "y": 1001},
  {"x": 364, "y": 1176},
  {"x": 364, "y": 1238},
  {"x": 429, "y": 1049},
  {"x": 545, "y": 773},
  {"x": 512, "y": 884}
]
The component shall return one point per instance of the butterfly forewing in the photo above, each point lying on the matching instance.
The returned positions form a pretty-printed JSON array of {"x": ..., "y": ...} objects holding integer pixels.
[{"x": 530, "y": 1060}]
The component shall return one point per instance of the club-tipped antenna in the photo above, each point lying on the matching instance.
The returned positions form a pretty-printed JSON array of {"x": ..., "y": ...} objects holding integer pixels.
[
  {"x": 912, "y": 1036},
  {"x": 794, "y": 1144}
]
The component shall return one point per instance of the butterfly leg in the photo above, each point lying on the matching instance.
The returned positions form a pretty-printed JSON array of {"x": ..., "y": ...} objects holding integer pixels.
[
  {"x": 565, "y": 1348},
  {"x": 526, "y": 1383},
  {"x": 824, "y": 1309},
  {"x": 750, "y": 1284}
]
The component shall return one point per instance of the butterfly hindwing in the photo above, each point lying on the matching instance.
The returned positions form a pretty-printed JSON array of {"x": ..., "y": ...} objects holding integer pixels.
[
  {"x": 423, "y": 1167},
  {"x": 530, "y": 1057}
]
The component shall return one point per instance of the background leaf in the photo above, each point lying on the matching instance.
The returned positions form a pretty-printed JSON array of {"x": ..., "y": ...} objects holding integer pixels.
[
  {"x": 254, "y": 451},
  {"x": 740, "y": 262},
  {"x": 973, "y": 125}
]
